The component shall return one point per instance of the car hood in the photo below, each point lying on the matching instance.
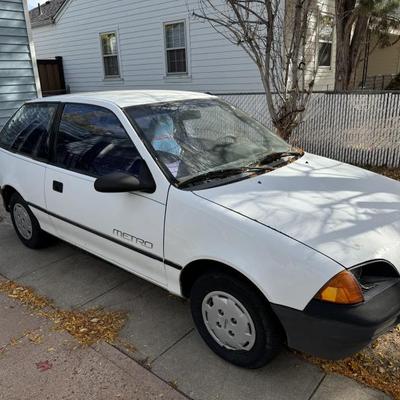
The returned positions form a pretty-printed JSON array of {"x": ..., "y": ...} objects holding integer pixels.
[{"x": 347, "y": 213}]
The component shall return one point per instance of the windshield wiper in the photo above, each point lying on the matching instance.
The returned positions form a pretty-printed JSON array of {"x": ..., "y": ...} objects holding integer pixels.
[
  {"x": 219, "y": 173},
  {"x": 275, "y": 156}
]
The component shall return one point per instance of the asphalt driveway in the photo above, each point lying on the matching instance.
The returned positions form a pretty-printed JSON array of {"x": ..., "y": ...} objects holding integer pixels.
[{"x": 161, "y": 329}]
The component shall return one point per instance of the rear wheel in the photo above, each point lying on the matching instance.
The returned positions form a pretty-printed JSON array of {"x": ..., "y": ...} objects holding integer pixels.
[
  {"x": 235, "y": 320},
  {"x": 26, "y": 225}
]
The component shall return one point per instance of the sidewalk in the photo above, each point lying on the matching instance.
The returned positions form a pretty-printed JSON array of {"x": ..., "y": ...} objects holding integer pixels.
[
  {"x": 38, "y": 363},
  {"x": 159, "y": 326}
]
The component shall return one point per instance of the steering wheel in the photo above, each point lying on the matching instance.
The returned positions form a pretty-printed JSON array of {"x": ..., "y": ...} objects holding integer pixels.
[{"x": 222, "y": 146}]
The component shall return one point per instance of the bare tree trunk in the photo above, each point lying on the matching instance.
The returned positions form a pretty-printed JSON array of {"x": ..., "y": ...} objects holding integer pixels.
[
  {"x": 274, "y": 41},
  {"x": 354, "y": 21},
  {"x": 343, "y": 40}
]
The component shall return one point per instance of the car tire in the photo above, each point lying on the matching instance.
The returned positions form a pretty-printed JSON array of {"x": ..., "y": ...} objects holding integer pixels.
[
  {"x": 26, "y": 225},
  {"x": 235, "y": 321}
]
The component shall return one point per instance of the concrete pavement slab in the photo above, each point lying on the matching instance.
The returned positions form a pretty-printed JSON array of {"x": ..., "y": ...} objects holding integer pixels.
[
  {"x": 7, "y": 228},
  {"x": 15, "y": 321},
  {"x": 156, "y": 319},
  {"x": 76, "y": 279},
  {"x": 202, "y": 375},
  {"x": 122, "y": 297},
  {"x": 335, "y": 387},
  {"x": 54, "y": 367},
  {"x": 17, "y": 260},
  {"x": 132, "y": 368}
]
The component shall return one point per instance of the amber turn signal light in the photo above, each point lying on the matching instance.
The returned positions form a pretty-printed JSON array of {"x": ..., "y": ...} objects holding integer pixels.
[{"x": 343, "y": 288}]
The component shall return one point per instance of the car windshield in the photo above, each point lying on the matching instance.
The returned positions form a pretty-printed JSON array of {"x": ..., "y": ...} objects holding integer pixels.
[{"x": 198, "y": 137}]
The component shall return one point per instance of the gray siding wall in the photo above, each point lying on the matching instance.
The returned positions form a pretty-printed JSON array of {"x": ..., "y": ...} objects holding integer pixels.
[{"x": 17, "y": 81}]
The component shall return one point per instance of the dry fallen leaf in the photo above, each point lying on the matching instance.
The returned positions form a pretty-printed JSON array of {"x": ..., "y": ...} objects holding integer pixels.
[
  {"x": 376, "y": 366},
  {"x": 86, "y": 326},
  {"x": 25, "y": 295},
  {"x": 35, "y": 338}
]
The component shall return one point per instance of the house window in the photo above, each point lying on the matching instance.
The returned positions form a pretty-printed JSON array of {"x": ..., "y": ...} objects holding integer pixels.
[
  {"x": 109, "y": 47},
  {"x": 175, "y": 46},
  {"x": 325, "y": 39}
]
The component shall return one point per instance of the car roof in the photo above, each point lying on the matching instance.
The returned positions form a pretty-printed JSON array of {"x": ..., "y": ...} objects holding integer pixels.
[{"x": 127, "y": 98}]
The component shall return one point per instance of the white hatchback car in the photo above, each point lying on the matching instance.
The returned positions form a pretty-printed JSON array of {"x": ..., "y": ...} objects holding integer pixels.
[{"x": 271, "y": 245}]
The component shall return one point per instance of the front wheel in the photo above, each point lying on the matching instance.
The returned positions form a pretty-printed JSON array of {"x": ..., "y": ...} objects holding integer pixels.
[{"x": 235, "y": 320}]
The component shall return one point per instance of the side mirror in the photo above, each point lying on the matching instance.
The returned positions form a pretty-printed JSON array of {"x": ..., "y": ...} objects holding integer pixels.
[{"x": 120, "y": 182}]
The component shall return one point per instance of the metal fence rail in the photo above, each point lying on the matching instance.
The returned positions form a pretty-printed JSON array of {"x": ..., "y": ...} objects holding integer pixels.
[{"x": 358, "y": 128}]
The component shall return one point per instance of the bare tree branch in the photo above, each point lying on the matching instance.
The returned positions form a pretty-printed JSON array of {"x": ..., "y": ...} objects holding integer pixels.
[{"x": 274, "y": 36}]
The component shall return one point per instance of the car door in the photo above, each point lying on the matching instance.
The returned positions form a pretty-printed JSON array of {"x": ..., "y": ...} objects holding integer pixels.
[
  {"x": 124, "y": 228},
  {"x": 24, "y": 151}
]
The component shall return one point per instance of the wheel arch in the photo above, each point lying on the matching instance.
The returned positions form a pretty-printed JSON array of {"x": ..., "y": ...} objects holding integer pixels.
[
  {"x": 197, "y": 268},
  {"x": 6, "y": 193}
]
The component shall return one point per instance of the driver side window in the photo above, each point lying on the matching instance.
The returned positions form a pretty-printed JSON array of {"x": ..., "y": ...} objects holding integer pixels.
[{"x": 92, "y": 141}]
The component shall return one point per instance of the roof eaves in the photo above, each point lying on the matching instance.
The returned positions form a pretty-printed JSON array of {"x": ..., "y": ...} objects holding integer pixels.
[
  {"x": 51, "y": 11},
  {"x": 59, "y": 12},
  {"x": 43, "y": 22}
]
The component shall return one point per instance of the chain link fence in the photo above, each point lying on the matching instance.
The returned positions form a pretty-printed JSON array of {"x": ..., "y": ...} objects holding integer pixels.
[{"x": 358, "y": 128}]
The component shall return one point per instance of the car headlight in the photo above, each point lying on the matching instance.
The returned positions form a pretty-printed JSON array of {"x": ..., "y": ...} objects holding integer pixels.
[{"x": 374, "y": 276}]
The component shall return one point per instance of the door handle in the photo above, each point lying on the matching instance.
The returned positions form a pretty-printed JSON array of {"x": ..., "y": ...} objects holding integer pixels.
[{"x": 58, "y": 186}]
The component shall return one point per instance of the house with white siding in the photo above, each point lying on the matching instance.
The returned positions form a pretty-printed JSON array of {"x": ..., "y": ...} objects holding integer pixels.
[
  {"x": 135, "y": 44},
  {"x": 18, "y": 74}
]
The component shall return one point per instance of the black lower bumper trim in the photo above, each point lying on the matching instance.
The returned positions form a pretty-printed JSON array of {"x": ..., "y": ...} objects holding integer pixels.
[{"x": 335, "y": 331}]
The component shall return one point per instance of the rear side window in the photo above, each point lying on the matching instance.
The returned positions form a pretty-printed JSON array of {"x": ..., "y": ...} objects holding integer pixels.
[
  {"x": 28, "y": 131},
  {"x": 92, "y": 141}
]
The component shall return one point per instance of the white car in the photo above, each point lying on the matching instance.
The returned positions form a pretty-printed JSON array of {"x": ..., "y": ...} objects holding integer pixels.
[{"x": 271, "y": 245}]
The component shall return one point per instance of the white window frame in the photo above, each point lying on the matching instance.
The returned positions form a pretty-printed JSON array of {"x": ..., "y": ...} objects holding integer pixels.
[
  {"x": 117, "y": 54},
  {"x": 166, "y": 49},
  {"x": 325, "y": 41}
]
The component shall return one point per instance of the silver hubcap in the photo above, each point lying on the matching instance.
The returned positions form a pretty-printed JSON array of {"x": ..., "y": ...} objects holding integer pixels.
[
  {"x": 23, "y": 221},
  {"x": 228, "y": 322}
]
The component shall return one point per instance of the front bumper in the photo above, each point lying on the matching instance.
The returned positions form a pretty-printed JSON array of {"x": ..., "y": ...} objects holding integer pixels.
[{"x": 335, "y": 331}]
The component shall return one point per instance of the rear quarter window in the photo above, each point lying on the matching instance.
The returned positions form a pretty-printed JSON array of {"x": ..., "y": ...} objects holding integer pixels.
[{"x": 28, "y": 131}]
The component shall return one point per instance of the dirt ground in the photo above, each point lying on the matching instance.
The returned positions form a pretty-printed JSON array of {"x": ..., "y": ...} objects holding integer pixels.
[{"x": 378, "y": 365}]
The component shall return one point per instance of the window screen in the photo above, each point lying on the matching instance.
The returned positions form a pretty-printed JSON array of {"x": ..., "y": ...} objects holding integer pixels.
[
  {"x": 109, "y": 47},
  {"x": 91, "y": 140},
  {"x": 175, "y": 44}
]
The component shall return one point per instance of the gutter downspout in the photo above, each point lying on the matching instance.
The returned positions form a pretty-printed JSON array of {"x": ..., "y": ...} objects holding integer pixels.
[{"x": 32, "y": 49}]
